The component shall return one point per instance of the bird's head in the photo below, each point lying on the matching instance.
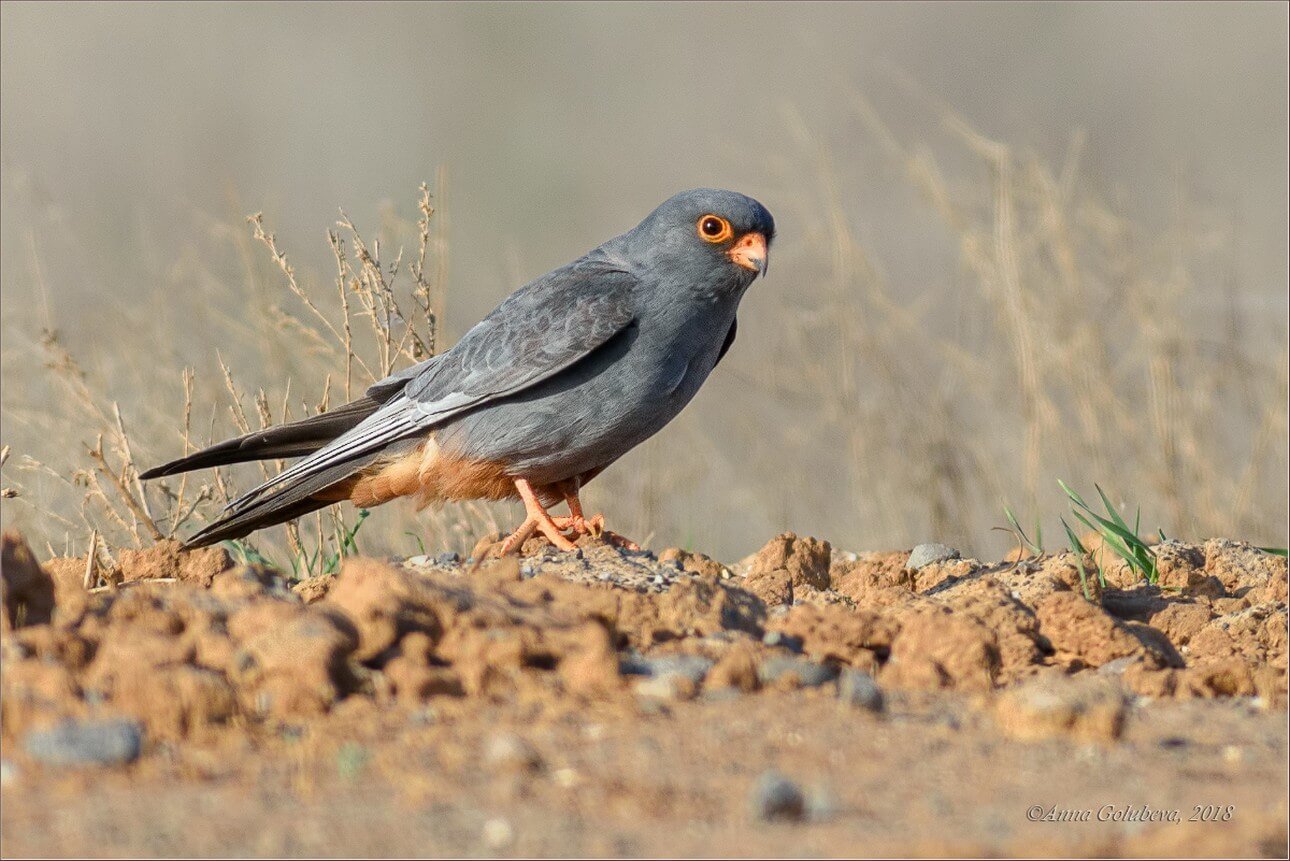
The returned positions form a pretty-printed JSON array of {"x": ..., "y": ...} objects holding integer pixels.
[{"x": 709, "y": 238}]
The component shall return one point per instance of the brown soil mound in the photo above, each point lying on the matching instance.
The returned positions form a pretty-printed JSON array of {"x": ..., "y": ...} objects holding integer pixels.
[{"x": 220, "y": 665}]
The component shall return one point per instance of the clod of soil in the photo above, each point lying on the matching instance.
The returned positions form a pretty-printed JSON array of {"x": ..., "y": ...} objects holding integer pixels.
[
  {"x": 26, "y": 591},
  {"x": 806, "y": 560},
  {"x": 1091, "y": 709}
]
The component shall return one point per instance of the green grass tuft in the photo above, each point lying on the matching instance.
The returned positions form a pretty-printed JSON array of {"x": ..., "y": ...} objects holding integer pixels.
[{"x": 1116, "y": 534}]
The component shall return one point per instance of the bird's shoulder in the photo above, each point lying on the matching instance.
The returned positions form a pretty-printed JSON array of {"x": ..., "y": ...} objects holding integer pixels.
[{"x": 548, "y": 323}]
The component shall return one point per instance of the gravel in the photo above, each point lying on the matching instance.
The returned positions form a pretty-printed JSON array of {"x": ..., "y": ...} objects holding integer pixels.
[{"x": 72, "y": 742}]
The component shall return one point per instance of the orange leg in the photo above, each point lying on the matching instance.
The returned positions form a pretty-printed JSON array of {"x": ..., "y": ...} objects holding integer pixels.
[
  {"x": 537, "y": 519},
  {"x": 582, "y": 525}
]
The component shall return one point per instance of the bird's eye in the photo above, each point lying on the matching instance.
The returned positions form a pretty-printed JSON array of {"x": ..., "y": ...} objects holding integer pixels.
[{"x": 714, "y": 228}]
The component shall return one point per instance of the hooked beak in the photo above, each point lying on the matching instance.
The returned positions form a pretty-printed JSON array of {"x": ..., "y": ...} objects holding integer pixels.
[{"x": 750, "y": 253}]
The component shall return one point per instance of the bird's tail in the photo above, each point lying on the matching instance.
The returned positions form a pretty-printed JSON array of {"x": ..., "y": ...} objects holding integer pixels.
[
  {"x": 290, "y": 440},
  {"x": 294, "y": 498}
]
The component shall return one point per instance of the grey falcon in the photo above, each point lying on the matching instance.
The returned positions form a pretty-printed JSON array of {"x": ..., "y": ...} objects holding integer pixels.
[{"x": 564, "y": 377}]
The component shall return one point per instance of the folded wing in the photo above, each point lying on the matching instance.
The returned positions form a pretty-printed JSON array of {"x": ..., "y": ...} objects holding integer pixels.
[{"x": 544, "y": 328}]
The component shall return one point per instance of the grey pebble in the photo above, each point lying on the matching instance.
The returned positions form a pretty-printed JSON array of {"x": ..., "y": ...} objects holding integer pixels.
[
  {"x": 103, "y": 742},
  {"x": 778, "y": 639},
  {"x": 666, "y": 676},
  {"x": 926, "y": 554},
  {"x": 632, "y": 664},
  {"x": 446, "y": 559},
  {"x": 1118, "y": 666},
  {"x": 809, "y": 674},
  {"x": 858, "y": 688},
  {"x": 693, "y": 667},
  {"x": 775, "y": 798}
]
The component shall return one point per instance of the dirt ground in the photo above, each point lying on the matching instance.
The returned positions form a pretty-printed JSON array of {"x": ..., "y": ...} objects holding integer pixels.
[{"x": 803, "y": 701}]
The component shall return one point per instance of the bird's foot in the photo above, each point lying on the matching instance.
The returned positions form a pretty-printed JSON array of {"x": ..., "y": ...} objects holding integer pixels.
[
  {"x": 544, "y": 525},
  {"x": 579, "y": 525},
  {"x": 536, "y": 520},
  {"x": 595, "y": 527}
]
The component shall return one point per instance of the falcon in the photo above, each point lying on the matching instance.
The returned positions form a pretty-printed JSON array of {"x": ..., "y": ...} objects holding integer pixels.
[{"x": 563, "y": 378}]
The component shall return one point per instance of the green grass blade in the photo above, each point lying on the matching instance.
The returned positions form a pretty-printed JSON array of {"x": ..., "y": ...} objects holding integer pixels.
[
  {"x": 1275, "y": 551},
  {"x": 1110, "y": 509},
  {"x": 1078, "y": 547},
  {"x": 1109, "y": 537},
  {"x": 1074, "y": 496},
  {"x": 421, "y": 546},
  {"x": 1021, "y": 533}
]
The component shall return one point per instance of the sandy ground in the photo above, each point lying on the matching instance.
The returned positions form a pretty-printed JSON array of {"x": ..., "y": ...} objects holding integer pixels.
[{"x": 804, "y": 701}]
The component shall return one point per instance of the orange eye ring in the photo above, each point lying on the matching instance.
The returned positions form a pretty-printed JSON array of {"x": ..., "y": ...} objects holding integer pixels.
[{"x": 714, "y": 228}]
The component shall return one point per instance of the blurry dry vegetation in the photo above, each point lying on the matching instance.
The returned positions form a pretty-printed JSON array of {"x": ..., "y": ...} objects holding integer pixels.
[{"x": 1074, "y": 357}]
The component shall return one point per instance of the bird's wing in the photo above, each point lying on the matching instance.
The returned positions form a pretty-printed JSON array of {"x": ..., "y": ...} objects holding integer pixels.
[
  {"x": 726, "y": 344},
  {"x": 542, "y": 329}
]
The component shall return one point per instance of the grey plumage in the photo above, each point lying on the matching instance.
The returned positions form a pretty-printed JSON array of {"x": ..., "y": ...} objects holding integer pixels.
[{"x": 560, "y": 380}]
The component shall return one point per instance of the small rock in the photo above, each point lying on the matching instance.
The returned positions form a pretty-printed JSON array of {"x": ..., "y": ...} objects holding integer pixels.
[
  {"x": 927, "y": 554},
  {"x": 692, "y": 667},
  {"x": 445, "y": 560},
  {"x": 775, "y": 798},
  {"x": 417, "y": 561},
  {"x": 105, "y": 742},
  {"x": 858, "y": 688},
  {"x": 778, "y": 639},
  {"x": 821, "y": 805},
  {"x": 672, "y": 677},
  {"x": 669, "y": 686},
  {"x": 1119, "y": 665},
  {"x": 351, "y": 759},
  {"x": 498, "y": 833},
  {"x": 509, "y": 752},
  {"x": 808, "y": 673},
  {"x": 630, "y": 663}
]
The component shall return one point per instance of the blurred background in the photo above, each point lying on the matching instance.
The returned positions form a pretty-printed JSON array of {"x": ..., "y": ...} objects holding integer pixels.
[{"x": 1017, "y": 243}]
